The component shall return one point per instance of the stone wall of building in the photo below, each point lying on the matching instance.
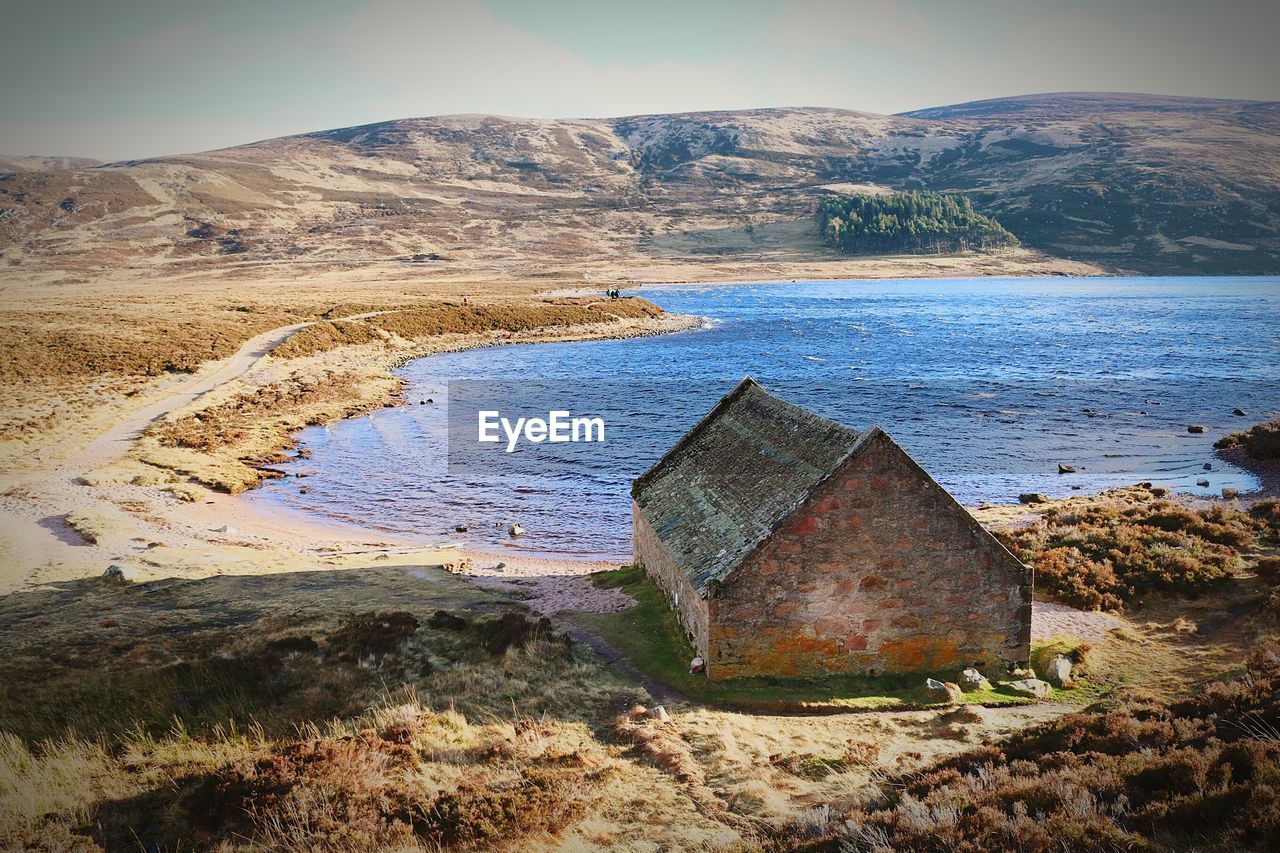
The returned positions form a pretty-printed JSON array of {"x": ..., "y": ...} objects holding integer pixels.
[
  {"x": 648, "y": 551},
  {"x": 880, "y": 571}
]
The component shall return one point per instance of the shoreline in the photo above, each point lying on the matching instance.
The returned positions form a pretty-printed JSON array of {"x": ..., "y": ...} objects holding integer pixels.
[
  {"x": 147, "y": 526},
  {"x": 55, "y": 527}
]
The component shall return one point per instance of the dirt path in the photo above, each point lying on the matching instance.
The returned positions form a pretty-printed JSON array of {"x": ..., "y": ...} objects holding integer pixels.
[
  {"x": 34, "y": 504},
  {"x": 115, "y": 442}
]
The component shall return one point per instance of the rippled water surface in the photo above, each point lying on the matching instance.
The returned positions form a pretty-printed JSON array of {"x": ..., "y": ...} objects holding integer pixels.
[{"x": 988, "y": 384}]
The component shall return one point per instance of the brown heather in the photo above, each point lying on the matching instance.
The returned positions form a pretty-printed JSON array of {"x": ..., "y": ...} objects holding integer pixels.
[
  {"x": 1260, "y": 442},
  {"x": 1106, "y": 552},
  {"x": 1202, "y": 773},
  {"x": 83, "y": 344},
  {"x": 228, "y": 423},
  {"x": 300, "y": 728},
  {"x": 451, "y": 318}
]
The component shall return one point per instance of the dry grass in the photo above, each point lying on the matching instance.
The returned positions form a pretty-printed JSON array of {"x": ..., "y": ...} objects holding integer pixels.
[
  {"x": 226, "y": 445},
  {"x": 1106, "y": 552},
  {"x": 232, "y": 422},
  {"x": 86, "y": 344},
  {"x": 275, "y": 721},
  {"x": 451, "y": 318},
  {"x": 402, "y": 708}
]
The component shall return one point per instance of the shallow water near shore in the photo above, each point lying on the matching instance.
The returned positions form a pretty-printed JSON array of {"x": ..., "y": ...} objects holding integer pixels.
[{"x": 989, "y": 384}]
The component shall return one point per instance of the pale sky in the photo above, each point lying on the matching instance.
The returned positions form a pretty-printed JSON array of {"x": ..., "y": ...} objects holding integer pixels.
[{"x": 117, "y": 79}]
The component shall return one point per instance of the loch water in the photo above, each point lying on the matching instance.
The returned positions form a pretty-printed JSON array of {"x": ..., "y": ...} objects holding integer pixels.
[{"x": 989, "y": 384}]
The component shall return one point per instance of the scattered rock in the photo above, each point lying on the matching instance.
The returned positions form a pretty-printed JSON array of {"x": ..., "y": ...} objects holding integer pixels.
[
  {"x": 1033, "y": 498},
  {"x": 1076, "y": 488},
  {"x": 1159, "y": 492},
  {"x": 659, "y": 713},
  {"x": 971, "y": 680},
  {"x": 185, "y": 492},
  {"x": 1239, "y": 412},
  {"x": 965, "y": 714},
  {"x": 1033, "y": 687},
  {"x": 1059, "y": 671},
  {"x": 1066, "y": 469},
  {"x": 943, "y": 691},
  {"x": 120, "y": 574},
  {"x": 1229, "y": 493},
  {"x": 515, "y": 530},
  {"x": 1202, "y": 482},
  {"x": 1022, "y": 672},
  {"x": 499, "y": 567},
  {"x": 226, "y": 528},
  {"x": 1195, "y": 428},
  {"x": 461, "y": 528},
  {"x": 697, "y": 665},
  {"x": 1208, "y": 466}
]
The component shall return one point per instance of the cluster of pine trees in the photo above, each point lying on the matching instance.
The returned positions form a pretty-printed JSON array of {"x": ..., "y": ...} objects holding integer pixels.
[{"x": 908, "y": 223}]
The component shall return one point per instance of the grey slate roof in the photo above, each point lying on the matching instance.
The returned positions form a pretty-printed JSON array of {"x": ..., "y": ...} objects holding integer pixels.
[{"x": 724, "y": 487}]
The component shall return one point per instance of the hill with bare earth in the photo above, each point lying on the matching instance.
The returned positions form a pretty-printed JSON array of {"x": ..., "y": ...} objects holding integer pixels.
[
  {"x": 40, "y": 163},
  {"x": 1124, "y": 182}
]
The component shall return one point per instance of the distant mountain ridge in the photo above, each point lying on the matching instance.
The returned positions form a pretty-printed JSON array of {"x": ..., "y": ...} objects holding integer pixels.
[
  {"x": 42, "y": 163},
  {"x": 1148, "y": 184}
]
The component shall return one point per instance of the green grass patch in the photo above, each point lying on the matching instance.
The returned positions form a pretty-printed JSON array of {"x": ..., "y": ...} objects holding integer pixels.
[{"x": 651, "y": 637}]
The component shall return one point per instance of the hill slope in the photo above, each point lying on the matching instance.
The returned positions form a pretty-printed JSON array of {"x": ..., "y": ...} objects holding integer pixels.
[{"x": 1136, "y": 183}]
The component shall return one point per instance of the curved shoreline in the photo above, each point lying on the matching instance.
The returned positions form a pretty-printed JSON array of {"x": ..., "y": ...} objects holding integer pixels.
[{"x": 54, "y": 526}]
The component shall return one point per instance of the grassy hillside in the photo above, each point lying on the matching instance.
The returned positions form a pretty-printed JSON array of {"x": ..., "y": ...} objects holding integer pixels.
[{"x": 1149, "y": 184}]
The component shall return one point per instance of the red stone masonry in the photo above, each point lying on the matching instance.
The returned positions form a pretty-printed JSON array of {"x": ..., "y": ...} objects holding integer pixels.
[{"x": 878, "y": 570}]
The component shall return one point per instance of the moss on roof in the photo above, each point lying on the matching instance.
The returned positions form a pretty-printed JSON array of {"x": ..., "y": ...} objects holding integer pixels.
[{"x": 725, "y": 485}]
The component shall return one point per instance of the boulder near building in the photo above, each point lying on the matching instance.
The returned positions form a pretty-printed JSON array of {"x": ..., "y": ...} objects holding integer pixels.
[{"x": 790, "y": 545}]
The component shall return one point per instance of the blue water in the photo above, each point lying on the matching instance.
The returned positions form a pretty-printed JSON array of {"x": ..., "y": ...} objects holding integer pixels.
[{"x": 986, "y": 383}]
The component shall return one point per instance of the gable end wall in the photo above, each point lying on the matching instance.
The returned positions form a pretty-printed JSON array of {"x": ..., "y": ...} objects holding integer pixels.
[{"x": 880, "y": 570}]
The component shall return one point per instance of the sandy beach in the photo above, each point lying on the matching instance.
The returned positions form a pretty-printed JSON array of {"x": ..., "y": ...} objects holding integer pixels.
[{"x": 97, "y": 499}]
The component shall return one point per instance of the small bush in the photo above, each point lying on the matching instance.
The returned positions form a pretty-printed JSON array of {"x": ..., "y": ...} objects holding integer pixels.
[
  {"x": 364, "y": 635},
  {"x": 1268, "y": 568}
]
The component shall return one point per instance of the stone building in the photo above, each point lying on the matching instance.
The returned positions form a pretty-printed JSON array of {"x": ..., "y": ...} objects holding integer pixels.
[{"x": 790, "y": 545}]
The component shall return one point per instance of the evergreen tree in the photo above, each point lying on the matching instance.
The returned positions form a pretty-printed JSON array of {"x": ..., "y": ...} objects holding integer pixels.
[{"x": 911, "y": 223}]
